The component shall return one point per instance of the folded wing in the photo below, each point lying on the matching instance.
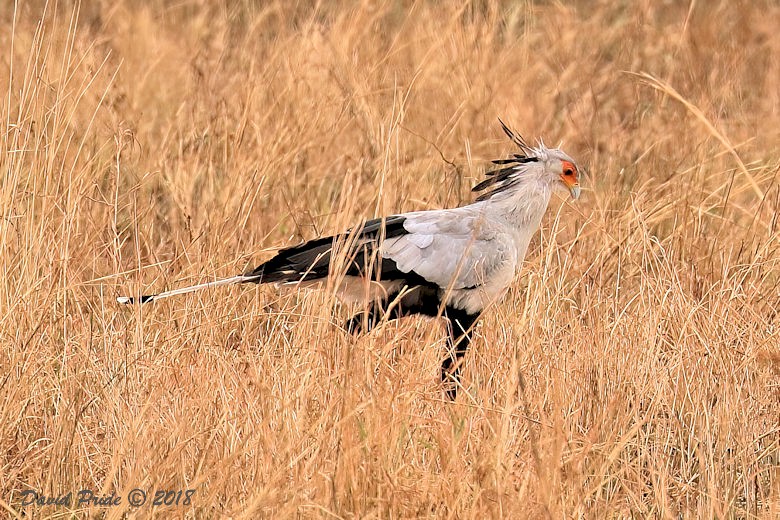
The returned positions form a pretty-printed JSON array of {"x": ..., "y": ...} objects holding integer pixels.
[{"x": 453, "y": 249}]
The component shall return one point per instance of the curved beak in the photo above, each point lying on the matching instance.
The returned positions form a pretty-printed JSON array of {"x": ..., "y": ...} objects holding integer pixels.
[{"x": 572, "y": 185}]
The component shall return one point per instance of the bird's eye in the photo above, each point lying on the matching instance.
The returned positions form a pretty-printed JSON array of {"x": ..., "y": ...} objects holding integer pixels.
[{"x": 568, "y": 169}]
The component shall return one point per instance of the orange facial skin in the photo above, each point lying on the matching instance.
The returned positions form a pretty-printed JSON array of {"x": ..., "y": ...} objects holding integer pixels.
[{"x": 570, "y": 178}]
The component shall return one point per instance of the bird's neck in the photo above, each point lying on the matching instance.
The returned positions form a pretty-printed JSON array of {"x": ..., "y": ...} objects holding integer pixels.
[
  {"x": 524, "y": 206},
  {"x": 522, "y": 209}
]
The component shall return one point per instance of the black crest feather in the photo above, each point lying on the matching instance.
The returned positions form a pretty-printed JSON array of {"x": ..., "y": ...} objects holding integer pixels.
[{"x": 503, "y": 178}]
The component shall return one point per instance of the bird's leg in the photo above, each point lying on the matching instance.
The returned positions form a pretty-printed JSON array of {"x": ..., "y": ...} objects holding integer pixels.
[
  {"x": 459, "y": 325},
  {"x": 418, "y": 300},
  {"x": 365, "y": 321}
]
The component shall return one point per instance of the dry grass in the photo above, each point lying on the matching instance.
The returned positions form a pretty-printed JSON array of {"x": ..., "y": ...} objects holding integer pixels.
[{"x": 633, "y": 369}]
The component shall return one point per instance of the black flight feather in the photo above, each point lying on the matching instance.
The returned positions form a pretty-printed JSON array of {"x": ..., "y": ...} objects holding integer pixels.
[{"x": 311, "y": 260}]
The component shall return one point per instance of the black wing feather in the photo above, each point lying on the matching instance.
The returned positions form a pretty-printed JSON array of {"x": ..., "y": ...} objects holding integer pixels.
[{"x": 311, "y": 260}]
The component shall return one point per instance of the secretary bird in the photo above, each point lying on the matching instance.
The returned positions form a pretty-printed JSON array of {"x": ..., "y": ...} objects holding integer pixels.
[{"x": 448, "y": 262}]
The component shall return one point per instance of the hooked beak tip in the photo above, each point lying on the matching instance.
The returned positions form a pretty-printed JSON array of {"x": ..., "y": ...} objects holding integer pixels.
[{"x": 575, "y": 191}]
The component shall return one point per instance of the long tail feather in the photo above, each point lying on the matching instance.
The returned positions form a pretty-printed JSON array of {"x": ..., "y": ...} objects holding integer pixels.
[{"x": 242, "y": 278}]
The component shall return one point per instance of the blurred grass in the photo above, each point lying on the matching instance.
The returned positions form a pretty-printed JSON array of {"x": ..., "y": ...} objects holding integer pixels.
[{"x": 632, "y": 369}]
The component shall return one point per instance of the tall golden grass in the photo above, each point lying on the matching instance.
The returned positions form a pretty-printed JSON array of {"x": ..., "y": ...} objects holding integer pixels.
[{"x": 633, "y": 370}]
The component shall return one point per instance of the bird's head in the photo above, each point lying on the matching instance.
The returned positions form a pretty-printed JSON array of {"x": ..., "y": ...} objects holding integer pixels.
[
  {"x": 561, "y": 170},
  {"x": 550, "y": 166}
]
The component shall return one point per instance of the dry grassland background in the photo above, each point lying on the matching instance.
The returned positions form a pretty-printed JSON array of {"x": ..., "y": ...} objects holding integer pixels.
[{"x": 633, "y": 368}]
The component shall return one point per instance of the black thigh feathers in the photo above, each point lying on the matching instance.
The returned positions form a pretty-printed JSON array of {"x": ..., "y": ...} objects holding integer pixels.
[{"x": 425, "y": 302}]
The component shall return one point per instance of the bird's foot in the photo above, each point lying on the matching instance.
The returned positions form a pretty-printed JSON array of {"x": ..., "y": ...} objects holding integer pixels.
[{"x": 450, "y": 380}]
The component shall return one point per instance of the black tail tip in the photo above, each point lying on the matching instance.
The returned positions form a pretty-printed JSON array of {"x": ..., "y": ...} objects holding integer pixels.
[{"x": 130, "y": 300}]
